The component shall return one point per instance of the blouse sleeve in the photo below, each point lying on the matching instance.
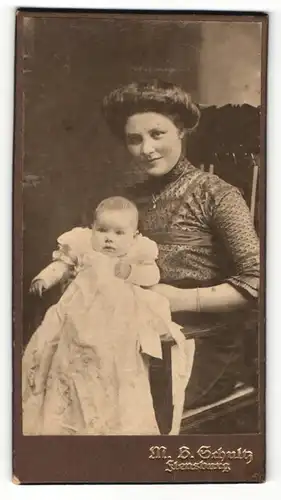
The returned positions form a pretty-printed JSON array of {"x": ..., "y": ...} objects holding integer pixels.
[{"x": 232, "y": 222}]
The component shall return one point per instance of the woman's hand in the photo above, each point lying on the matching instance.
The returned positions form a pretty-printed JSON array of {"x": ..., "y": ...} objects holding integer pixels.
[{"x": 179, "y": 299}]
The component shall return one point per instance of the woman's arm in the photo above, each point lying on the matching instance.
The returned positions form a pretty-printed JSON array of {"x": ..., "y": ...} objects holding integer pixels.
[
  {"x": 220, "y": 298},
  {"x": 232, "y": 223}
]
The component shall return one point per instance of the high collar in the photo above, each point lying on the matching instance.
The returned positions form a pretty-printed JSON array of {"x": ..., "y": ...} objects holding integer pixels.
[
  {"x": 176, "y": 171},
  {"x": 161, "y": 182}
]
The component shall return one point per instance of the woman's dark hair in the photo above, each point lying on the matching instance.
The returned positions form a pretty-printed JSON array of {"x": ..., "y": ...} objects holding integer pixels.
[{"x": 155, "y": 96}]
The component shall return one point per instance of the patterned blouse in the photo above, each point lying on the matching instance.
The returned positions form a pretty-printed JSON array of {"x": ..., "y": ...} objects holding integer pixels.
[
  {"x": 206, "y": 237},
  {"x": 203, "y": 228}
]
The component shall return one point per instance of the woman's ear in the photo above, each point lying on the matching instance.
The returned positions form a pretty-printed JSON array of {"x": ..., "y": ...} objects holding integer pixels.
[{"x": 182, "y": 133}]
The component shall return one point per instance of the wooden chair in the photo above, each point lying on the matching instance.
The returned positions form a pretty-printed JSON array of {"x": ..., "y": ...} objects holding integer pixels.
[{"x": 244, "y": 396}]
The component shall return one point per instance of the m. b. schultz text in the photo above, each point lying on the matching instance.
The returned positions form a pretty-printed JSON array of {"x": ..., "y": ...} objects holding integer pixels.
[{"x": 204, "y": 458}]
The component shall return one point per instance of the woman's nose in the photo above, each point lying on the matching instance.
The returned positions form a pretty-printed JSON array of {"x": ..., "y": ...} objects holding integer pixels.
[{"x": 147, "y": 147}]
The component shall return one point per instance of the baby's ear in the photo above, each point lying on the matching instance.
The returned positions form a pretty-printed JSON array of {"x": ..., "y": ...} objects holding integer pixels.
[{"x": 137, "y": 233}]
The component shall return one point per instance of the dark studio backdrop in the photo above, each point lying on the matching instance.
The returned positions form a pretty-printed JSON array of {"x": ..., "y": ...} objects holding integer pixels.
[{"x": 71, "y": 158}]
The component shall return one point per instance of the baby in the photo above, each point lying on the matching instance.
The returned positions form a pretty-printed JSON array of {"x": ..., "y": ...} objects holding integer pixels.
[
  {"x": 114, "y": 233},
  {"x": 85, "y": 369}
]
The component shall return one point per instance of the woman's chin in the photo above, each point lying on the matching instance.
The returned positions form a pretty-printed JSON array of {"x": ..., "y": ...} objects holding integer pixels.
[{"x": 157, "y": 171}]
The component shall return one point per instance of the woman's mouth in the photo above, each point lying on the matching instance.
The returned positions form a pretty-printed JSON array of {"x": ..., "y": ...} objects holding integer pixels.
[{"x": 151, "y": 160}]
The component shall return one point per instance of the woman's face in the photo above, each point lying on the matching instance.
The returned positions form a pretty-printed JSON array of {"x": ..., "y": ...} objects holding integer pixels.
[{"x": 155, "y": 141}]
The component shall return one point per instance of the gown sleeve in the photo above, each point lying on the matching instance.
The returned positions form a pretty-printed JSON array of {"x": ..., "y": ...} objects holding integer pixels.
[
  {"x": 71, "y": 246},
  {"x": 144, "y": 269}
]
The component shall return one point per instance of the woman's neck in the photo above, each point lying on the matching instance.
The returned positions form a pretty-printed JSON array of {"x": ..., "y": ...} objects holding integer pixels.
[{"x": 173, "y": 174}]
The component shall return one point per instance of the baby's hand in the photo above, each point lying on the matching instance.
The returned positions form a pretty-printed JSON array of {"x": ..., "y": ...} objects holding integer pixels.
[
  {"x": 122, "y": 269},
  {"x": 37, "y": 287}
]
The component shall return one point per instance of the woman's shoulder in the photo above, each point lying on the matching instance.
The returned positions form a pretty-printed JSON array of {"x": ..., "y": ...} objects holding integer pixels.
[
  {"x": 206, "y": 184},
  {"x": 193, "y": 181},
  {"x": 213, "y": 183}
]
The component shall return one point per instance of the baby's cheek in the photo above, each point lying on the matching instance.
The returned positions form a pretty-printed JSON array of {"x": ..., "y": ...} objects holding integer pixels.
[
  {"x": 96, "y": 242},
  {"x": 130, "y": 243}
]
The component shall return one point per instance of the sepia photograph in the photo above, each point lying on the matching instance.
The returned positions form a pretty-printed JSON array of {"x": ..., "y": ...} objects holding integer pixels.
[{"x": 139, "y": 237}]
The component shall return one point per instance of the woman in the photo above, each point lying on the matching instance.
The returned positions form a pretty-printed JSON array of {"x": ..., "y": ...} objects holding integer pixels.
[{"x": 208, "y": 248}]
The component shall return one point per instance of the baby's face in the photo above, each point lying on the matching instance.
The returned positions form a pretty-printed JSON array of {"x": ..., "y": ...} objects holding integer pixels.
[{"x": 113, "y": 232}]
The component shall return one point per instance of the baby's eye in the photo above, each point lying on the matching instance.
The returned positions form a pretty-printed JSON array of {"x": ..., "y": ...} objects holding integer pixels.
[
  {"x": 119, "y": 232},
  {"x": 101, "y": 229}
]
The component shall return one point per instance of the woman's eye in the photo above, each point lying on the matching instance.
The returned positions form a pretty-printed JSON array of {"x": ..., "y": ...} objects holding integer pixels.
[
  {"x": 155, "y": 134},
  {"x": 134, "y": 139}
]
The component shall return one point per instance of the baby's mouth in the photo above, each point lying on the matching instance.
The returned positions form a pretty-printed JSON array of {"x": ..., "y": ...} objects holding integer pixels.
[{"x": 109, "y": 248}]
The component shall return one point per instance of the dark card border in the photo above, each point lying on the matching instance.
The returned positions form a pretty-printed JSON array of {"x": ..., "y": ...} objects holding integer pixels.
[{"x": 123, "y": 460}]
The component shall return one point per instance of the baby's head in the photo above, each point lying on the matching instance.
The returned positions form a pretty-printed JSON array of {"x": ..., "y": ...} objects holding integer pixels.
[{"x": 115, "y": 226}]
